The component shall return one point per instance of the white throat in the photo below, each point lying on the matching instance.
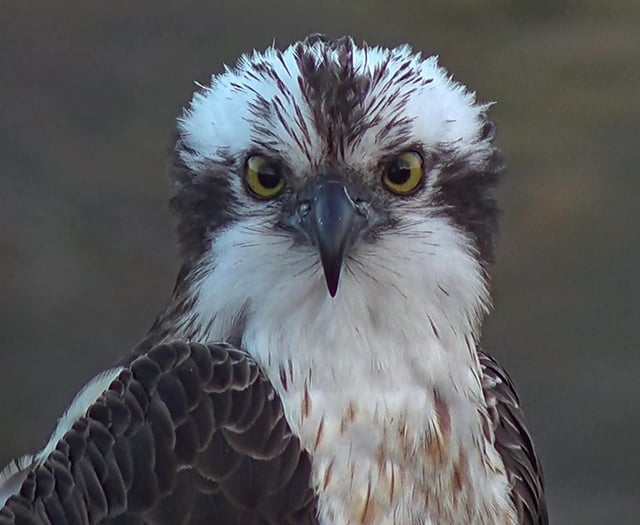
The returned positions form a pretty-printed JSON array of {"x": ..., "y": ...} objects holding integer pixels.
[{"x": 370, "y": 379}]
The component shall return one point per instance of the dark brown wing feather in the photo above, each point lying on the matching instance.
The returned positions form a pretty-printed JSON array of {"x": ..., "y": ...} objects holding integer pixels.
[
  {"x": 514, "y": 444},
  {"x": 187, "y": 434}
]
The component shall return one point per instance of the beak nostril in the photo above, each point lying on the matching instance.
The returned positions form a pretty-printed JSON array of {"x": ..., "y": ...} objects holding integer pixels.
[{"x": 304, "y": 207}]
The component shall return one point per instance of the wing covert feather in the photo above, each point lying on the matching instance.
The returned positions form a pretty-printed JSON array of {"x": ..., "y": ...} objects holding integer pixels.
[
  {"x": 186, "y": 434},
  {"x": 513, "y": 443}
]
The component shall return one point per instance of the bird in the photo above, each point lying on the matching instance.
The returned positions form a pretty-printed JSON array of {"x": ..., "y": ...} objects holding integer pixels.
[{"x": 319, "y": 361}]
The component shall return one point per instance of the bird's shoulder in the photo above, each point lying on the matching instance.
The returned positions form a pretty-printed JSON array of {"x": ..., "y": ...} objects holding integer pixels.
[
  {"x": 513, "y": 442},
  {"x": 181, "y": 433}
]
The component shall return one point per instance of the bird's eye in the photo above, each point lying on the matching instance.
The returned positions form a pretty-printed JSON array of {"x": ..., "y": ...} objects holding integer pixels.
[
  {"x": 404, "y": 173},
  {"x": 264, "y": 177}
]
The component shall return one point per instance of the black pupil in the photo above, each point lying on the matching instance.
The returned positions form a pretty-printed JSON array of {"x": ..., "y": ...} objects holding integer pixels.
[
  {"x": 269, "y": 176},
  {"x": 399, "y": 172}
]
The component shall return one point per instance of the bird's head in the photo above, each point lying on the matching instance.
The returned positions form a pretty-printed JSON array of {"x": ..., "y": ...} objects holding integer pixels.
[{"x": 327, "y": 167}]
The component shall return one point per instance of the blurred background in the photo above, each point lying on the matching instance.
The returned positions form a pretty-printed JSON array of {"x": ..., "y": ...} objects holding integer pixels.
[{"x": 89, "y": 96}]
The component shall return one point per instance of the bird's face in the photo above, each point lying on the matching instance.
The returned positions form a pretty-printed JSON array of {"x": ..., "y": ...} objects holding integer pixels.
[
  {"x": 327, "y": 165},
  {"x": 335, "y": 211}
]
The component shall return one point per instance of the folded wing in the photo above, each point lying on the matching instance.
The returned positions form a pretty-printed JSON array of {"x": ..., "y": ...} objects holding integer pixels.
[
  {"x": 514, "y": 444},
  {"x": 186, "y": 434}
]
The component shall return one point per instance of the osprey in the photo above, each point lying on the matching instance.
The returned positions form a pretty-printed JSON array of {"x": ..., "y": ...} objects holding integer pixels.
[{"x": 319, "y": 360}]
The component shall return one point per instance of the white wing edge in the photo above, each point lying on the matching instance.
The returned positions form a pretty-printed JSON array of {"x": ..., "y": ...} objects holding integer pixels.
[{"x": 14, "y": 474}]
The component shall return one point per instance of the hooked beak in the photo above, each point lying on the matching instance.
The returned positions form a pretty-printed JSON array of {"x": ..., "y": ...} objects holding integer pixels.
[{"x": 333, "y": 223}]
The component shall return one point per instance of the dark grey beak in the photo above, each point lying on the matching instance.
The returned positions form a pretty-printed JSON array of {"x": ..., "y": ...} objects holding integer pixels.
[{"x": 333, "y": 223}]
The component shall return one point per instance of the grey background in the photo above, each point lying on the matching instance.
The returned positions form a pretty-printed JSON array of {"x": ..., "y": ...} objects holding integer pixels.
[{"x": 88, "y": 96}]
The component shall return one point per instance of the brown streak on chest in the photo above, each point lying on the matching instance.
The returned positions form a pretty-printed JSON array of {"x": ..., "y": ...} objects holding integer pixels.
[
  {"x": 439, "y": 440},
  {"x": 319, "y": 434},
  {"x": 306, "y": 401},
  {"x": 368, "y": 505},
  {"x": 283, "y": 379},
  {"x": 327, "y": 475},
  {"x": 460, "y": 474},
  {"x": 348, "y": 416}
]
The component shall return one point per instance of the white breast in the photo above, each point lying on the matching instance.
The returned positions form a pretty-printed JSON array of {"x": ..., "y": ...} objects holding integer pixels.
[
  {"x": 392, "y": 420},
  {"x": 381, "y": 383}
]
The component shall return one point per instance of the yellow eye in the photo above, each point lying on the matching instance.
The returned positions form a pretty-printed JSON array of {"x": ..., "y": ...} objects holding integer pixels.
[
  {"x": 263, "y": 176},
  {"x": 404, "y": 173}
]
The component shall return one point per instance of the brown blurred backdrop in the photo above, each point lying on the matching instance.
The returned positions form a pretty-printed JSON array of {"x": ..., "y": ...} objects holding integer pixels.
[{"x": 88, "y": 96}]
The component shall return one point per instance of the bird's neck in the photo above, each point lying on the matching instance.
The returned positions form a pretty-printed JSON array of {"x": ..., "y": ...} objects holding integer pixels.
[
  {"x": 352, "y": 371},
  {"x": 378, "y": 330},
  {"x": 407, "y": 313},
  {"x": 384, "y": 371}
]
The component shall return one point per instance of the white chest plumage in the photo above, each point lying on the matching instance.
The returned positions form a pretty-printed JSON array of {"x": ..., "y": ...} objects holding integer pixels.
[
  {"x": 392, "y": 422},
  {"x": 381, "y": 383}
]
